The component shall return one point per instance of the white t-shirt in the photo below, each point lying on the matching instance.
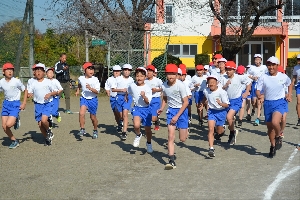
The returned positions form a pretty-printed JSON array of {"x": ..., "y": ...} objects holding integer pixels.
[
  {"x": 257, "y": 71},
  {"x": 154, "y": 83},
  {"x": 56, "y": 85},
  {"x": 274, "y": 87},
  {"x": 235, "y": 88},
  {"x": 247, "y": 77},
  {"x": 188, "y": 85},
  {"x": 188, "y": 77},
  {"x": 122, "y": 83},
  {"x": 213, "y": 70},
  {"x": 174, "y": 93},
  {"x": 93, "y": 82},
  {"x": 212, "y": 97},
  {"x": 135, "y": 92},
  {"x": 111, "y": 81},
  {"x": 201, "y": 80},
  {"x": 40, "y": 89},
  {"x": 12, "y": 89},
  {"x": 296, "y": 72}
]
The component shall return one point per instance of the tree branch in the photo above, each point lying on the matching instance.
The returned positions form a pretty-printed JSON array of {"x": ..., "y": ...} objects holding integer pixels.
[{"x": 216, "y": 14}]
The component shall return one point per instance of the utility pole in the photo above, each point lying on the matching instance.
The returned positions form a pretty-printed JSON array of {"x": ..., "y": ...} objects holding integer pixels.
[
  {"x": 86, "y": 46},
  {"x": 31, "y": 37},
  {"x": 21, "y": 41}
]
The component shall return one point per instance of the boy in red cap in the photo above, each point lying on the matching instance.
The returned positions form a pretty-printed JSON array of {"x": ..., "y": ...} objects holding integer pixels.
[
  {"x": 11, "y": 105},
  {"x": 233, "y": 85},
  {"x": 90, "y": 87},
  {"x": 214, "y": 68},
  {"x": 174, "y": 95}
]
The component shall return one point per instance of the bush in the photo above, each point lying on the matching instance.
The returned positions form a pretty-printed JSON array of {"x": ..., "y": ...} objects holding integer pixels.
[
  {"x": 202, "y": 59},
  {"x": 291, "y": 62}
]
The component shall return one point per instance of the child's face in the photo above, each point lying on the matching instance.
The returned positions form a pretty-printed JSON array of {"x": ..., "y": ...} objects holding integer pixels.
[
  {"x": 39, "y": 73},
  {"x": 221, "y": 66},
  {"x": 183, "y": 77},
  {"x": 126, "y": 72},
  {"x": 257, "y": 61},
  {"x": 273, "y": 68},
  {"x": 8, "y": 73},
  {"x": 212, "y": 84},
  {"x": 150, "y": 73},
  {"x": 179, "y": 76},
  {"x": 171, "y": 77},
  {"x": 230, "y": 72},
  {"x": 89, "y": 72},
  {"x": 140, "y": 78},
  {"x": 50, "y": 74},
  {"x": 200, "y": 72},
  {"x": 117, "y": 73},
  {"x": 154, "y": 74}
]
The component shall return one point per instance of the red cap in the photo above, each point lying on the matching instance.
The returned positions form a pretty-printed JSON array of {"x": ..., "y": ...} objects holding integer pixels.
[
  {"x": 171, "y": 68},
  {"x": 33, "y": 66},
  {"x": 281, "y": 69},
  {"x": 150, "y": 67},
  {"x": 86, "y": 65},
  {"x": 181, "y": 66},
  {"x": 7, "y": 66},
  {"x": 50, "y": 69},
  {"x": 230, "y": 65},
  {"x": 240, "y": 69},
  {"x": 183, "y": 71},
  {"x": 218, "y": 56},
  {"x": 211, "y": 63},
  {"x": 199, "y": 67}
]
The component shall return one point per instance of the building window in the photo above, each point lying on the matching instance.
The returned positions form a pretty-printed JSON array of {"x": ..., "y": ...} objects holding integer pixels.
[
  {"x": 294, "y": 44},
  {"x": 169, "y": 14},
  {"x": 182, "y": 50},
  {"x": 292, "y": 8}
]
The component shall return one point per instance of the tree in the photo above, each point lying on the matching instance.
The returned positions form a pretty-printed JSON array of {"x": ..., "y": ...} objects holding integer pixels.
[{"x": 237, "y": 30}]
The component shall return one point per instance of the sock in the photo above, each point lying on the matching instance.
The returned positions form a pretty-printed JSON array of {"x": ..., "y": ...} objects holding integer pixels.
[
  {"x": 148, "y": 142},
  {"x": 139, "y": 135},
  {"x": 211, "y": 148},
  {"x": 172, "y": 157}
]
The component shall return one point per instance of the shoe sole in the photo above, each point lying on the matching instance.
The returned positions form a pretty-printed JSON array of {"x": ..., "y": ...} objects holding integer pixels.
[
  {"x": 211, "y": 154},
  {"x": 149, "y": 151},
  {"x": 169, "y": 167},
  {"x": 95, "y": 136},
  {"x": 14, "y": 147}
]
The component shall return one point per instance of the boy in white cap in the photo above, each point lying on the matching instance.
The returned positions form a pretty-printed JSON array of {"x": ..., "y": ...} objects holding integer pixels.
[
  {"x": 11, "y": 105},
  {"x": 141, "y": 94},
  {"x": 255, "y": 72},
  {"x": 273, "y": 84},
  {"x": 221, "y": 64},
  {"x": 90, "y": 86},
  {"x": 174, "y": 95},
  {"x": 233, "y": 85},
  {"x": 110, "y": 82},
  {"x": 155, "y": 72},
  {"x": 123, "y": 100},
  {"x": 296, "y": 82},
  {"x": 156, "y": 86},
  {"x": 42, "y": 91},
  {"x": 206, "y": 68},
  {"x": 217, "y": 100}
]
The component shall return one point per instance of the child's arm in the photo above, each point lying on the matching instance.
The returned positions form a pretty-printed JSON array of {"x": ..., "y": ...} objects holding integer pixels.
[
  {"x": 23, "y": 105},
  {"x": 163, "y": 104},
  {"x": 92, "y": 89},
  {"x": 78, "y": 89}
]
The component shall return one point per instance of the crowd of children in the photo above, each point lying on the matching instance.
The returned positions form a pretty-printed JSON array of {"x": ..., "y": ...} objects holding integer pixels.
[{"x": 221, "y": 88}]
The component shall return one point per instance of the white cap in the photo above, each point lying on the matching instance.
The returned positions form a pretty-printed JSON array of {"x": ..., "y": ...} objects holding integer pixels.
[
  {"x": 212, "y": 76},
  {"x": 179, "y": 71},
  {"x": 155, "y": 70},
  {"x": 248, "y": 66},
  {"x": 222, "y": 60},
  {"x": 257, "y": 56},
  {"x": 273, "y": 60},
  {"x": 206, "y": 67},
  {"x": 49, "y": 68},
  {"x": 117, "y": 68},
  {"x": 298, "y": 56},
  {"x": 41, "y": 65},
  {"x": 127, "y": 66},
  {"x": 141, "y": 69}
]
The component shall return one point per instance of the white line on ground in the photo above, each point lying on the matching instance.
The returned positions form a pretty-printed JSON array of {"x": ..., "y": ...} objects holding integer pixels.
[{"x": 281, "y": 176}]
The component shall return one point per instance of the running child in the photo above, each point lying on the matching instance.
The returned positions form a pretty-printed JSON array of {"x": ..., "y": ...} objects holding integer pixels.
[
  {"x": 11, "y": 105},
  {"x": 214, "y": 67},
  {"x": 42, "y": 91},
  {"x": 141, "y": 94},
  {"x": 273, "y": 84},
  {"x": 90, "y": 87},
  {"x": 218, "y": 103},
  {"x": 283, "y": 120},
  {"x": 156, "y": 86},
  {"x": 296, "y": 82},
  {"x": 174, "y": 95}
]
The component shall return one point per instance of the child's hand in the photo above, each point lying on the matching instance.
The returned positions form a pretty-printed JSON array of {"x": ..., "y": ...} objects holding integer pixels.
[
  {"x": 200, "y": 107},
  {"x": 30, "y": 95},
  {"x": 47, "y": 96},
  {"x": 218, "y": 101},
  {"x": 76, "y": 93},
  {"x": 228, "y": 83},
  {"x": 153, "y": 90},
  {"x": 124, "y": 90},
  {"x": 22, "y": 106},
  {"x": 159, "y": 111},
  {"x": 88, "y": 86},
  {"x": 245, "y": 94},
  {"x": 142, "y": 93},
  {"x": 174, "y": 120}
]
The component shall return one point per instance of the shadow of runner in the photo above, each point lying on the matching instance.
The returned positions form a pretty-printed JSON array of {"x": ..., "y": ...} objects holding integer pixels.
[
  {"x": 246, "y": 148},
  {"x": 197, "y": 150},
  {"x": 75, "y": 133},
  {"x": 36, "y": 137},
  {"x": 257, "y": 132}
]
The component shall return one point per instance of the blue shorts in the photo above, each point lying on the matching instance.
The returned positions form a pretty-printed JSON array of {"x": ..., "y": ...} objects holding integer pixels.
[
  {"x": 249, "y": 96},
  {"x": 144, "y": 113},
  {"x": 235, "y": 104},
  {"x": 271, "y": 106},
  {"x": 183, "y": 119},
  {"x": 91, "y": 104},
  {"x": 42, "y": 109},
  {"x": 219, "y": 116},
  {"x": 113, "y": 103},
  {"x": 155, "y": 105},
  {"x": 55, "y": 106},
  {"x": 122, "y": 104},
  {"x": 253, "y": 90},
  {"x": 11, "y": 108},
  {"x": 297, "y": 88},
  {"x": 199, "y": 95}
]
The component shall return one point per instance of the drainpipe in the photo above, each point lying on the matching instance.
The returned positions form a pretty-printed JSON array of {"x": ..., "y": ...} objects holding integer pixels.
[{"x": 284, "y": 65}]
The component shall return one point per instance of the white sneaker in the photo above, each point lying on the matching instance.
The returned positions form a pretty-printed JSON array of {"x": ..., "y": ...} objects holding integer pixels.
[
  {"x": 149, "y": 148},
  {"x": 137, "y": 140}
]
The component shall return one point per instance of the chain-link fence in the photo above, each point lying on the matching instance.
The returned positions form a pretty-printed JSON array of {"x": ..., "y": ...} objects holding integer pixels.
[{"x": 138, "y": 48}]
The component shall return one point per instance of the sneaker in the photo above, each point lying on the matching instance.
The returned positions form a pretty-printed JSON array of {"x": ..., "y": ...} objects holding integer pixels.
[
  {"x": 95, "y": 134},
  {"x": 278, "y": 143},
  {"x": 50, "y": 120},
  {"x": 272, "y": 152},
  {"x": 124, "y": 136},
  {"x": 81, "y": 132},
  {"x": 119, "y": 128},
  {"x": 47, "y": 143},
  {"x": 253, "y": 112},
  {"x": 14, "y": 144},
  {"x": 256, "y": 122},
  {"x": 137, "y": 140},
  {"x": 233, "y": 140},
  {"x": 217, "y": 136},
  {"x": 298, "y": 123},
  {"x": 58, "y": 118},
  {"x": 50, "y": 136},
  {"x": 156, "y": 128},
  {"x": 248, "y": 117},
  {"x": 240, "y": 123},
  {"x": 190, "y": 121},
  {"x": 69, "y": 112},
  {"x": 17, "y": 123},
  {"x": 201, "y": 122},
  {"x": 149, "y": 148},
  {"x": 211, "y": 152},
  {"x": 170, "y": 165},
  {"x": 281, "y": 135}
]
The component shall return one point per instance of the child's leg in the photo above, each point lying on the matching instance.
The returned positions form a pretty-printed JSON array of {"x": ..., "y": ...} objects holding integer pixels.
[
  {"x": 117, "y": 116},
  {"x": 94, "y": 121},
  {"x": 44, "y": 125},
  {"x": 271, "y": 133},
  {"x": 276, "y": 118},
  {"x": 7, "y": 123},
  {"x": 242, "y": 110},
  {"x": 283, "y": 122},
  {"x": 230, "y": 119},
  {"x": 148, "y": 134},
  {"x": 190, "y": 111},
  {"x": 125, "y": 120},
  {"x": 82, "y": 112},
  {"x": 137, "y": 125},
  {"x": 211, "y": 130},
  {"x": 248, "y": 103},
  {"x": 259, "y": 106},
  {"x": 171, "y": 139},
  {"x": 183, "y": 134}
]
